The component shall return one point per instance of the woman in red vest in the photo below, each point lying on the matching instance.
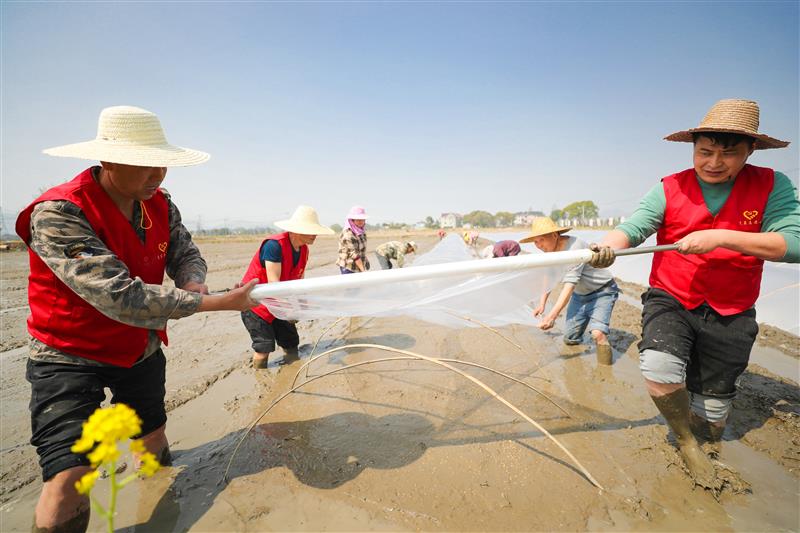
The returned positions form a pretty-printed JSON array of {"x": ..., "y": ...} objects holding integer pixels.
[
  {"x": 99, "y": 246},
  {"x": 698, "y": 321},
  {"x": 281, "y": 257}
]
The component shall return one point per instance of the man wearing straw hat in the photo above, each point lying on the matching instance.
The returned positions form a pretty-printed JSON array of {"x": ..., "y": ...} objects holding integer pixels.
[
  {"x": 698, "y": 321},
  {"x": 99, "y": 246},
  {"x": 281, "y": 257},
  {"x": 590, "y": 292}
]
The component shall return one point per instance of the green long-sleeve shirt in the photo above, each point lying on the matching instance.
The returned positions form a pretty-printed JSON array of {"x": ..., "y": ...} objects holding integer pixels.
[{"x": 781, "y": 215}]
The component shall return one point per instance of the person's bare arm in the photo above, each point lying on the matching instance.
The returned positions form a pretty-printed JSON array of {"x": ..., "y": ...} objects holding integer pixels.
[
  {"x": 539, "y": 310},
  {"x": 273, "y": 271},
  {"x": 550, "y": 319}
]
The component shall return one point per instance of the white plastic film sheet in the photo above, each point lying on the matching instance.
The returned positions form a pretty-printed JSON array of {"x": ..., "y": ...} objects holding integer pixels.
[{"x": 445, "y": 286}]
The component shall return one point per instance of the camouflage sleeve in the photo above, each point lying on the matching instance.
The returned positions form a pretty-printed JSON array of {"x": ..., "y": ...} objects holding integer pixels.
[
  {"x": 351, "y": 246},
  {"x": 63, "y": 238},
  {"x": 184, "y": 262}
]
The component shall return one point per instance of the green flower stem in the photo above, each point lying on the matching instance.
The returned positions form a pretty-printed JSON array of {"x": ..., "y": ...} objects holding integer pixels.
[
  {"x": 97, "y": 507},
  {"x": 113, "y": 503},
  {"x": 128, "y": 479}
]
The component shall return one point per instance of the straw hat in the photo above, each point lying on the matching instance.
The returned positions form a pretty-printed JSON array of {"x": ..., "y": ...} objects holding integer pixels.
[
  {"x": 543, "y": 226},
  {"x": 304, "y": 221},
  {"x": 130, "y": 136},
  {"x": 412, "y": 245},
  {"x": 731, "y": 116},
  {"x": 357, "y": 213}
]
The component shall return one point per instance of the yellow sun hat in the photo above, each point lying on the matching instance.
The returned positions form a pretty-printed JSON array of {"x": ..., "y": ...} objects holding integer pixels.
[{"x": 543, "y": 226}]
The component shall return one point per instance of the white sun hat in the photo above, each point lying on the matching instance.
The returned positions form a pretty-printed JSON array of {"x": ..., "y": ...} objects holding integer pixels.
[
  {"x": 131, "y": 136},
  {"x": 304, "y": 221}
]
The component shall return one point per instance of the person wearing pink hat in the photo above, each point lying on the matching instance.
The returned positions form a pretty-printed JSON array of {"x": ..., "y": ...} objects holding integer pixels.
[{"x": 353, "y": 242}]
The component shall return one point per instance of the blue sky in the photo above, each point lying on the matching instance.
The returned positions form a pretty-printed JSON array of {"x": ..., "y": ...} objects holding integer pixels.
[{"x": 411, "y": 109}]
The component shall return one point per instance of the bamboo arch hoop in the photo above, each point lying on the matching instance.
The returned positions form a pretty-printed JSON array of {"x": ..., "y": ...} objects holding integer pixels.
[{"x": 417, "y": 356}]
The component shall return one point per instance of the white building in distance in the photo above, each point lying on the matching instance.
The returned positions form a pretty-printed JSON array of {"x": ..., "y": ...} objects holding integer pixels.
[{"x": 449, "y": 220}]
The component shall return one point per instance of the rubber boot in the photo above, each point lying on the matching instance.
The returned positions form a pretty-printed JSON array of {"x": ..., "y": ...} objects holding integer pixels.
[
  {"x": 604, "y": 354},
  {"x": 708, "y": 434},
  {"x": 674, "y": 408}
]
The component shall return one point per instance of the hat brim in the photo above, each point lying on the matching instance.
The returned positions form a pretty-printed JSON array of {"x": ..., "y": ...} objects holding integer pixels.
[
  {"x": 357, "y": 217},
  {"x": 303, "y": 228},
  {"x": 763, "y": 142},
  {"x": 164, "y": 155},
  {"x": 532, "y": 236}
]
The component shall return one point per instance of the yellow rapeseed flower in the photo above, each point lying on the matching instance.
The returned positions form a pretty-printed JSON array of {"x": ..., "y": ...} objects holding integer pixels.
[
  {"x": 111, "y": 424},
  {"x": 150, "y": 464},
  {"x": 85, "y": 483},
  {"x": 99, "y": 437},
  {"x": 83, "y": 444},
  {"x": 107, "y": 426},
  {"x": 105, "y": 452},
  {"x": 137, "y": 446}
]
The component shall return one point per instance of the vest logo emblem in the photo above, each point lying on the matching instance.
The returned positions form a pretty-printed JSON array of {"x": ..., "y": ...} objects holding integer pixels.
[
  {"x": 750, "y": 218},
  {"x": 163, "y": 246}
]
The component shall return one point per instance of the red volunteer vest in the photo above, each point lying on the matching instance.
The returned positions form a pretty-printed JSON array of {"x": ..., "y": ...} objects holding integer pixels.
[
  {"x": 729, "y": 281},
  {"x": 65, "y": 321},
  {"x": 256, "y": 270}
]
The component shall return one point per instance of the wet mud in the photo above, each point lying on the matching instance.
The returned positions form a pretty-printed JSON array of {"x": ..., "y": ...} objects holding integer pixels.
[{"x": 408, "y": 445}]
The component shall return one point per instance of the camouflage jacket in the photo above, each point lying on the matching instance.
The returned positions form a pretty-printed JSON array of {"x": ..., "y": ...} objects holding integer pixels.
[
  {"x": 103, "y": 280},
  {"x": 393, "y": 250},
  {"x": 352, "y": 247}
]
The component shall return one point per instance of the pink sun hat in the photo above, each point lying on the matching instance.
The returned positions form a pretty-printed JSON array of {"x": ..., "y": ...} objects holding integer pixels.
[{"x": 357, "y": 213}]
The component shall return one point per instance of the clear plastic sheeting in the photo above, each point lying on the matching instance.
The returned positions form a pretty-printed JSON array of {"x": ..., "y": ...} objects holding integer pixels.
[
  {"x": 445, "y": 286},
  {"x": 778, "y": 304}
]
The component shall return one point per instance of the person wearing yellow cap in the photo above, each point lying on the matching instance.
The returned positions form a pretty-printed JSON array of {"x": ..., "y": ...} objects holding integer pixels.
[
  {"x": 698, "y": 320},
  {"x": 589, "y": 293}
]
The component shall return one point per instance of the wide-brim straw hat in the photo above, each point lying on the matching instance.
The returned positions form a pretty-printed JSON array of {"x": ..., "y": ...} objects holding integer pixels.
[
  {"x": 731, "y": 116},
  {"x": 357, "y": 213},
  {"x": 304, "y": 221},
  {"x": 131, "y": 136},
  {"x": 412, "y": 245},
  {"x": 543, "y": 226}
]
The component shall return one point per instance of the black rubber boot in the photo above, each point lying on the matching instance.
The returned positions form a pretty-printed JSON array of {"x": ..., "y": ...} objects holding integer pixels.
[{"x": 674, "y": 408}]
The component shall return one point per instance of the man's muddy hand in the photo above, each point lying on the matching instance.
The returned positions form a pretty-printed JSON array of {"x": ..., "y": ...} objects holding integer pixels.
[
  {"x": 547, "y": 323},
  {"x": 603, "y": 256}
]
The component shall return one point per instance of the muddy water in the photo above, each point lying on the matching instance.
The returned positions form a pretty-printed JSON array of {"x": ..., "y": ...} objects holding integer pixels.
[{"x": 408, "y": 445}]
